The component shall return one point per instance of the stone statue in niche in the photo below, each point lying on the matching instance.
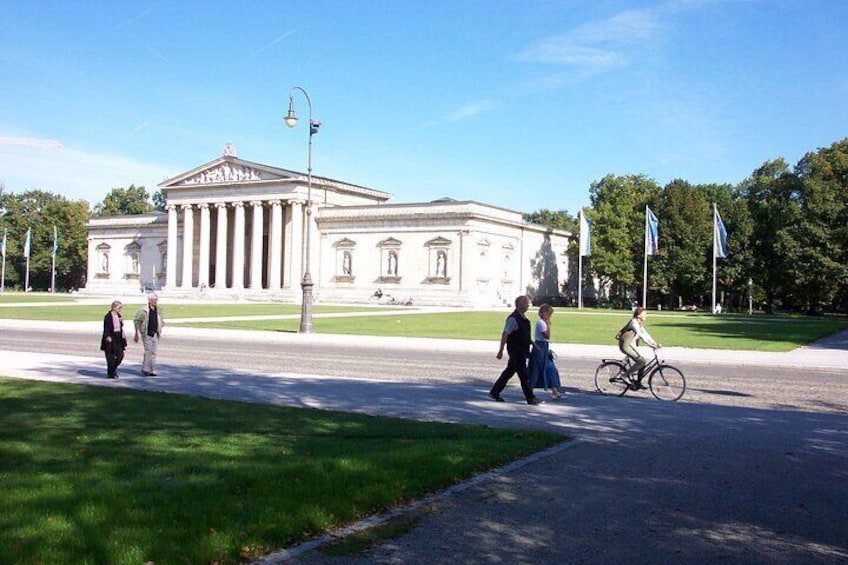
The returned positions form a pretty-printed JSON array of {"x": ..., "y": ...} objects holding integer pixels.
[
  {"x": 391, "y": 267},
  {"x": 441, "y": 264},
  {"x": 347, "y": 261}
]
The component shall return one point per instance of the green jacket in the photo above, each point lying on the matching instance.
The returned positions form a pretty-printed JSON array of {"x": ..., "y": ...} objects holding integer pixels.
[{"x": 143, "y": 316}]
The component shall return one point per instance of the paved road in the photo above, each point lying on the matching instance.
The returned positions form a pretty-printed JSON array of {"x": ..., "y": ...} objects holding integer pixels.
[{"x": 760, "y": 479}]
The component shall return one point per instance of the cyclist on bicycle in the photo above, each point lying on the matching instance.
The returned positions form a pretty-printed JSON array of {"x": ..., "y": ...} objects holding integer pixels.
[{"x": 628, "y": 337}]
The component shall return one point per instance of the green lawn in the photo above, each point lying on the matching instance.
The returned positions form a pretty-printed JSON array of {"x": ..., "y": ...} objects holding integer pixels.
[
  {"x": 756, "y": 333},
  {"x": 24, "y": 297},
  {"x": 594, "y": 327},
  {"x": 100, "y": 475},
  {"x": 89, "y": 313}
]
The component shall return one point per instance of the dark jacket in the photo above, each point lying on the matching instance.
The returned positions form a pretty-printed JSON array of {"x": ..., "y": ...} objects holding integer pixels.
[
  {"x": 518, "y": 342},
  {"x": 109, "y": 330}
]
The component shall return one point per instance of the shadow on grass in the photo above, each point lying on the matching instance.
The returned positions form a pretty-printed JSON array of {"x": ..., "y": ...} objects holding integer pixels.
[{"x": 804, "y": 454}]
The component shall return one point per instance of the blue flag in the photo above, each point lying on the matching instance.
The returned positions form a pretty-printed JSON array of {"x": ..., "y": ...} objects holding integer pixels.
[
  {"x": 3, "y": 246},
  {"x": 585, "y": 235},
  {"x": 652, "y": 233},
  {"x": 26, "y": 243},
  {"x": 55, "y": 241},
  {"x": 719, "y": 236}
]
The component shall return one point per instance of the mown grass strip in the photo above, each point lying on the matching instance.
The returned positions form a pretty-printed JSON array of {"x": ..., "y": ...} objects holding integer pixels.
[
  {"x": 99, "y": 475},
  {"x": 700, "y": 331}
]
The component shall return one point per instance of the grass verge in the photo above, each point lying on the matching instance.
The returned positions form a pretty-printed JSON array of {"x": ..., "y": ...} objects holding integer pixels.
[
  {"x": 753, "y": 333},
  {"x": 99, "y": 475}
]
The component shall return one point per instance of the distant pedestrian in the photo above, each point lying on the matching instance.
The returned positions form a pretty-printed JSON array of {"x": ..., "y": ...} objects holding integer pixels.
[
  {"x": 149, "y": 322},
  {"x": 516, "y": 338},
  {"x": 113, "y": 342},
  {"x": 543, "y": 371}
]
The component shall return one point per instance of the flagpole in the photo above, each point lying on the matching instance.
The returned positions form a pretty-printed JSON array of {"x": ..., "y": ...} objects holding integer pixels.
[
  {"x": 3, "y": 276},
  {"x": 27, "y": 249},
  {"x": 53, "y": 263},
  {"x": 645, "y": 268},
  {"x": 715, "y": 236},
  {"x": 580, "y": 261}
]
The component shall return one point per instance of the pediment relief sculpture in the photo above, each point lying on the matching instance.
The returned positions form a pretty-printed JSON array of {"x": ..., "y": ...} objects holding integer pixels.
[{"x": 225, "y": 172}]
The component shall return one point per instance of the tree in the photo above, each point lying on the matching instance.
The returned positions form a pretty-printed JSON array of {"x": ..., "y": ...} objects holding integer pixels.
[
  {"x": 772, "y": 197},
  {"x": 686, "y": 227},
  {"x": 39, "y": 211},
  {"x": 558, "y": 220},
  {"x": 823, "y": 231},
  {"x": 124, "y": 201},
  {"x": 159, "y": 201},
  {"x": 618, "y": 224}
]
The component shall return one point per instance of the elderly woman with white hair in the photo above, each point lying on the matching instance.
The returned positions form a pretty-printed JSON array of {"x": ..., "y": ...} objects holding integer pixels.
[
  {"x": 149, "y": 322},
  {"x": 113, "y": 342}
]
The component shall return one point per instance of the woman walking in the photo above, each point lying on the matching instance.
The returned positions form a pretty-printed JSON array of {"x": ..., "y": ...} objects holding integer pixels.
[
  {"x": 543, "y": 371},
  {"x": 113, "y": 341}
]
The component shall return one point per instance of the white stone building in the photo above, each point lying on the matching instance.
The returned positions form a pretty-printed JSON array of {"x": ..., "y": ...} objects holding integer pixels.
[{"x": 235, "y": 229}]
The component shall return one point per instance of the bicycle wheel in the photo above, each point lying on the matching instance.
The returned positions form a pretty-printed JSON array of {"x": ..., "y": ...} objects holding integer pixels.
[
  {"x": 667, "y": 383},
  {"x": 609, "y": 378}
]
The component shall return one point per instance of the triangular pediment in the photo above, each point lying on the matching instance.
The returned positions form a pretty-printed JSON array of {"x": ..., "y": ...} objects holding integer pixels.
[
  {"x": 390, "y": 242},
  {"x": 344, "y": 243},
  {"x": 227, "y": 170},
  {"x": 438, "y": 242}
]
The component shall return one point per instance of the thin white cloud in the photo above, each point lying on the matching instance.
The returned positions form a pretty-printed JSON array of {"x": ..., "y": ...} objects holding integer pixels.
[
  {"x": 274, "y": 42},
  {"x": 596, "y": 46},
  {"x": 73, "y": 173},
  {"x": 471, "y": 110},
  {"x": 29, "y": 142}
]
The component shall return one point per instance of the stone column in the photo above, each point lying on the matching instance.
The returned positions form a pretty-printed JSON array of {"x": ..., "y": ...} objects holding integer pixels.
[
  {"x": 171, "y": 263},
  {"x": 205, "y": 247},
  {"x": 221, "y": 247},
  {"x": 238, "y": 247},
  {"x": 294, "y": 246},
  {"x": 276, "y": 245},
  {"x": 188, "y": 245},
  {"x": 256, "y": 246}
]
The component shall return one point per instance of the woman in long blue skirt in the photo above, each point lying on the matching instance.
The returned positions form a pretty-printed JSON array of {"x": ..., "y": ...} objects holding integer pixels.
[{"x": 543, "y": 371}]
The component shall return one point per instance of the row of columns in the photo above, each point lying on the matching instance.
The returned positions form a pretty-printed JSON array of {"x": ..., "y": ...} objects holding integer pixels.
[{"x": 279, "y": 275}]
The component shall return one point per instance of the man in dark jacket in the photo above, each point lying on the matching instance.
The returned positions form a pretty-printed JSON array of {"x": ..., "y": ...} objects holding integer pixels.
[{"x": 516, "y": 338}]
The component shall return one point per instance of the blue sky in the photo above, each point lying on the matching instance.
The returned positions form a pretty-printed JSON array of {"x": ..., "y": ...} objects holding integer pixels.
[{"x": 519, "y": 104}]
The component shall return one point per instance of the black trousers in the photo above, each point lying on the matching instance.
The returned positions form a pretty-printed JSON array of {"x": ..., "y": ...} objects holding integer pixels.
[
  {"x": 114, "y": 356},
  {"x": 515, "y": 365}
]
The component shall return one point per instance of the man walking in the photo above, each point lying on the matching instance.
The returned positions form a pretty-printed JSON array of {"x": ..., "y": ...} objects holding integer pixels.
[
  {"x": 516, "y": 338},
  {"x": 148, "y": 324}
]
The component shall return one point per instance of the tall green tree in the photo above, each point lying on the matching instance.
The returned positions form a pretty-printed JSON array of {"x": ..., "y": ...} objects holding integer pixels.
[
  {"x": 124, "y": 201},
  {"x": 618, "y": 231},
  {"x": 678, "y": 274},
  {"x": 39, "y": 211},
  {"x": 772, "y": 195},
  {"x": 822, "y": 233}
]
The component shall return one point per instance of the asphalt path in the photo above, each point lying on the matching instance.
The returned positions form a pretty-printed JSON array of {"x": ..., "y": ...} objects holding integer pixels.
[{"x": 750, "y": 467}]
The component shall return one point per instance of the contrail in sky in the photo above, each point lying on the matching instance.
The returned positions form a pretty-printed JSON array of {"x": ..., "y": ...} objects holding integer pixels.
[{"x": 282, "y": 37}]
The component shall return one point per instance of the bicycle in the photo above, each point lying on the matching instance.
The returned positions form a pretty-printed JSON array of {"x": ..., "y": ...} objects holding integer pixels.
[{"x": 665, "y": 381}]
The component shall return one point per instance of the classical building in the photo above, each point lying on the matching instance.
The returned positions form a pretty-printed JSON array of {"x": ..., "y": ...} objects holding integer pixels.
[{"x": 235, "y": 229}]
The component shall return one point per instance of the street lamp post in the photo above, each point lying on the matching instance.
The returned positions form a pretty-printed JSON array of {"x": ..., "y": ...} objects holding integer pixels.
[{"x": 306, "y": 284}]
